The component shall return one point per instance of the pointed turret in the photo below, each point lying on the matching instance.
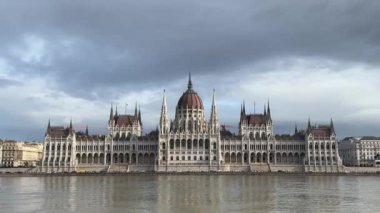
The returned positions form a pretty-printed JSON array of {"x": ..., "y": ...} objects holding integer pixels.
[
  {"x": 332, "y": 126},
  {"x": 308, "y": 125},
  {"x": 268, "y": 111},
  {"x": 71, "y": 127},
  {"x": 214, "y": 123},
  {"x": 243, "y": 107},
  {"x": 111, "y": 113},
  {"x": 164, "y": 120},
  {"x": 139, "y": 115},
  {"x": 86, "y": 132},
  {"x": 136, "y": 113},
  {"x": 265, "y": 110},
  {"x": 116, "y": 112},
  {"x": 295, "y": 129},
  {"x": 48, "y": 128}
]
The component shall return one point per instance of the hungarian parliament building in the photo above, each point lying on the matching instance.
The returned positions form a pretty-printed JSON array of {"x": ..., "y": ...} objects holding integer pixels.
[{"x": 191, "y": 142}]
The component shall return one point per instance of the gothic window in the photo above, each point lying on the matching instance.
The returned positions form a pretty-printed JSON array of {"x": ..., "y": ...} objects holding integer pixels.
[
  {"x": 257, "y": 137},
  {"x": 207, "y": 144}
]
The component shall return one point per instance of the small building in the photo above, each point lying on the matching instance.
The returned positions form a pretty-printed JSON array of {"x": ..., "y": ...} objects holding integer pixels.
[
  {"x": 1, "y": 153},
  {"x": 359, "y": 151},
  {"x": 20, "y": 153}
]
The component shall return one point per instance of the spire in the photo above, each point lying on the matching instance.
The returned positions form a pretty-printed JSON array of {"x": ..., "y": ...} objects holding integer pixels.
[
  {"x": 189, "y": 84},
  {"x": 265, "y": 110},
  {"x": 48, "y": 125},
  {"x": 214, "y": 123},
  {"x": 164, "y": 121},
  {"x": 111, "y": 112},
  {"x": 268, "y": 112},
  {"x": 86, "y": 130},
  {"x": 332, "y": 126},
  {"x": 136, "y": 109},
  {"x": 295, "y": 129},
  {"x": 116, "y": 111},
  {"x": 139, "y": 115},
  {"x": 71, "y": 125},
  {"x": 243, "y": 107},
  {"x": 48, "y": 128},
  {"x": 309, "y": 125}
]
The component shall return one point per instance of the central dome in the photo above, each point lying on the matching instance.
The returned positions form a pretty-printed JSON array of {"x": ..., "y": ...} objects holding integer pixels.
[{"x": 190, "y": 99}]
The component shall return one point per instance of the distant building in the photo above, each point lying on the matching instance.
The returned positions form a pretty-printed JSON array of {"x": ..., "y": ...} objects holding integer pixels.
[
  {"x": 359, "y": 151},
  {"x": 1, "y": 153},
  {"x": 20, "y": 154}
]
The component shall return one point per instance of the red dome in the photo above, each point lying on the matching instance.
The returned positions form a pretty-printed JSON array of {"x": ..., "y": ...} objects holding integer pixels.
[{"x": 190, "y": 100}]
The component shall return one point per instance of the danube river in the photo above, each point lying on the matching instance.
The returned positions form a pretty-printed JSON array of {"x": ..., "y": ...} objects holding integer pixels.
[{"x": 190, "y": 193}]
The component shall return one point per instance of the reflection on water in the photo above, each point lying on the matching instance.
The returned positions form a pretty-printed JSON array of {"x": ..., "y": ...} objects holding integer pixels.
[{"x": 190, "y": 193}]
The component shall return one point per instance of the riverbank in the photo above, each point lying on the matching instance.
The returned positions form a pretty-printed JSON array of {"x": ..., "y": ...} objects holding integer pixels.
[{"x": 17, "y": 174}]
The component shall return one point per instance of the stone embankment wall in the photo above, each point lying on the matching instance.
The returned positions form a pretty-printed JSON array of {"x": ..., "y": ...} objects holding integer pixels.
[
  {"x": 362, "y": 170},
  {"x": 287, "y": 168},
  {"x": 14, "y": 170}
]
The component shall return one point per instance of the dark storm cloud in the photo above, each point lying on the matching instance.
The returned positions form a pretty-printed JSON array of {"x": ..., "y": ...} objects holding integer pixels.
[
  {"x": 72, "y": 58},
  {"x": 92, "y": 45}
]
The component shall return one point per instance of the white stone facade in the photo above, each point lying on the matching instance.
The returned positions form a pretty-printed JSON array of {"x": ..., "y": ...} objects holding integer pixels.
[
  {"x": 66, "y": 150},
  {"x": 19, "y": 153},
  {"x": 359, "y": 151},
  {"x": 192, "y": 142},
  {"x": 1, "y": 153}
]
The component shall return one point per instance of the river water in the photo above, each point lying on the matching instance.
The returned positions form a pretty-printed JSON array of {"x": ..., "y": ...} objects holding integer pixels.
[{"x": 190, "y": 193}]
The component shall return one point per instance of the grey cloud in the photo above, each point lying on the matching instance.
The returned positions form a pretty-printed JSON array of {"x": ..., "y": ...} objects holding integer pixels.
[
  {"x": 7, "y": 82},
  {"x": 100, "y": 50},
  {"x": 125, "y": 43}
]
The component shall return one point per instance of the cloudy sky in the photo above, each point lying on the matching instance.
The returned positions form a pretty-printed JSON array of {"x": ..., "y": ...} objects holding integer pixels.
[{"x": 71, "y": 59}]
